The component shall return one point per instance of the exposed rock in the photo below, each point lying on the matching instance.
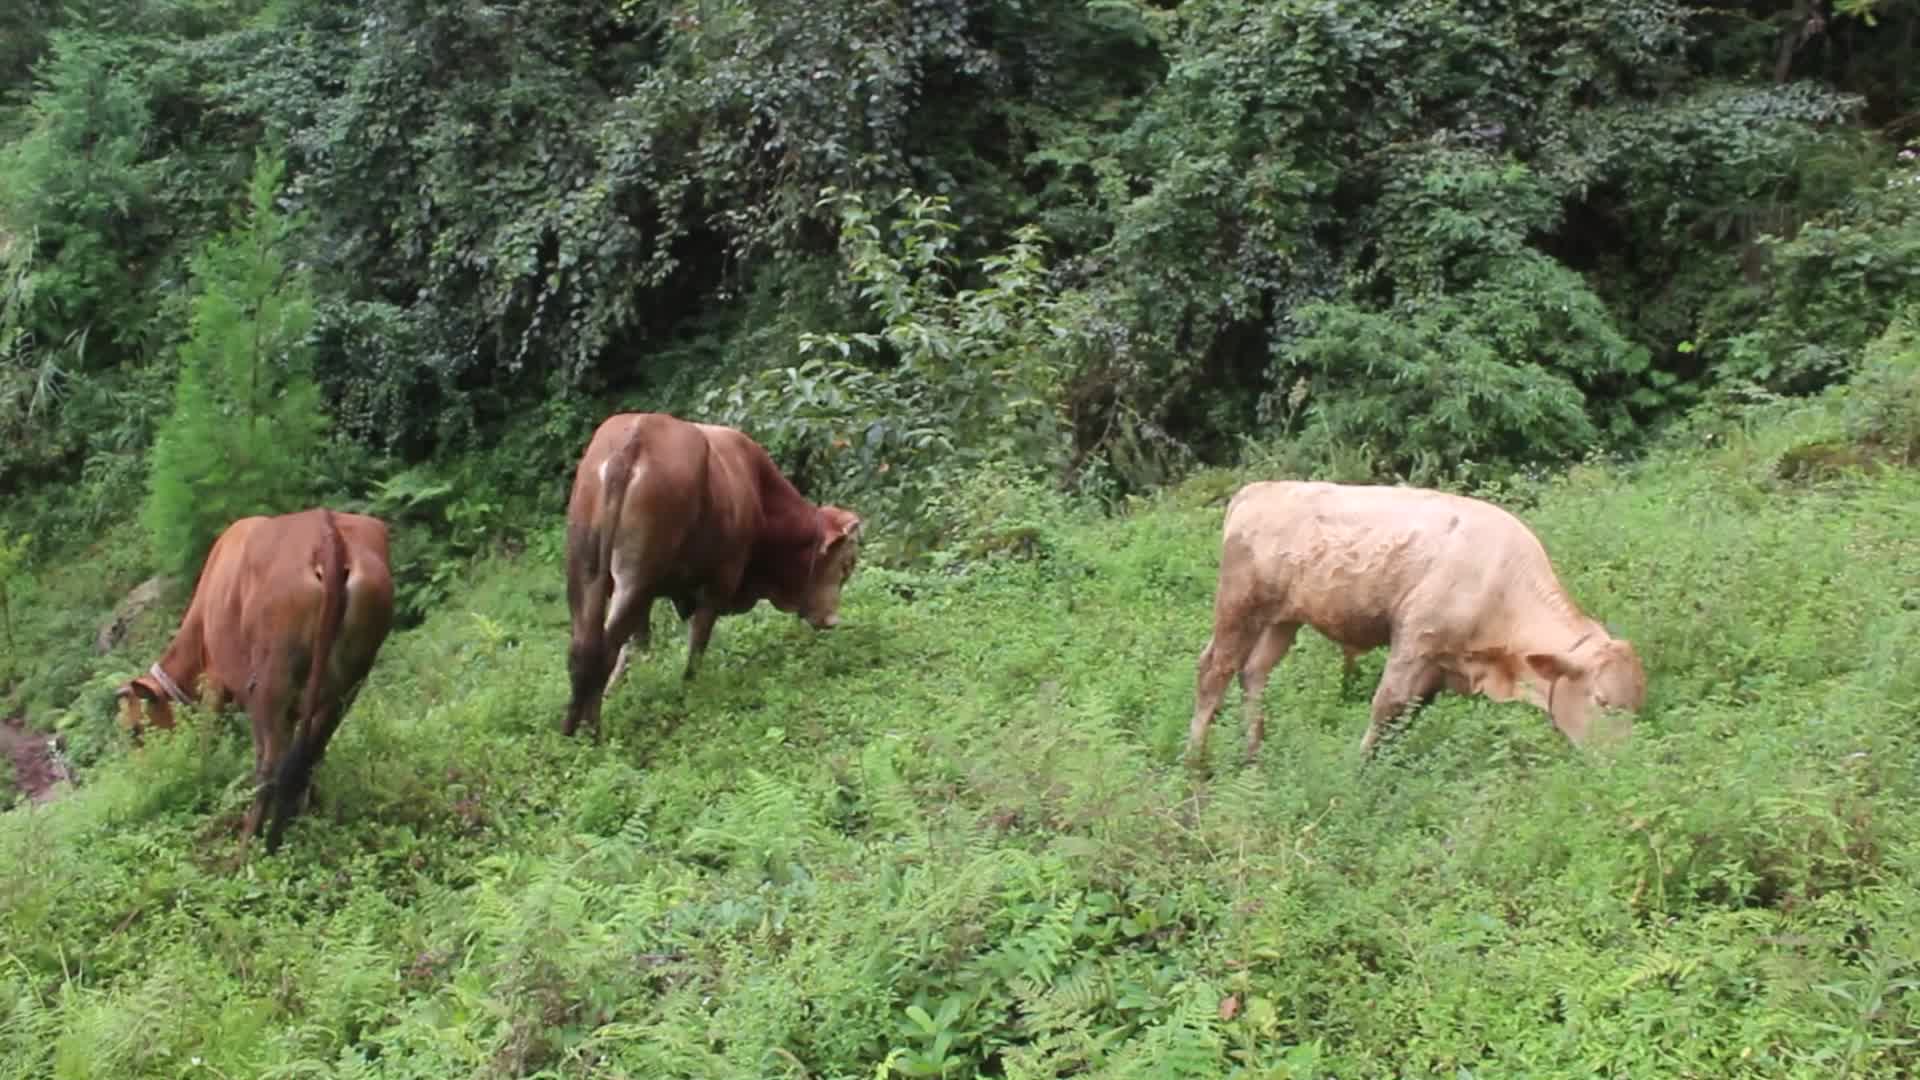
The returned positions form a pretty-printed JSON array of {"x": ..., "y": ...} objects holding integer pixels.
[{"x": 144, "y": 596}]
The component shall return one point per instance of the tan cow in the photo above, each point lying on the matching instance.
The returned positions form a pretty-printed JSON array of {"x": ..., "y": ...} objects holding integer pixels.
[
  {"x": 1460, "y": 590},
  {"x": 274, "y": 593},
  {"x": 698, "y": 514}
]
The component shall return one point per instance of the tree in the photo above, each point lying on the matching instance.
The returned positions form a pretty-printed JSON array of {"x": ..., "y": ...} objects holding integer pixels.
[{"x": 247, "y": 414}]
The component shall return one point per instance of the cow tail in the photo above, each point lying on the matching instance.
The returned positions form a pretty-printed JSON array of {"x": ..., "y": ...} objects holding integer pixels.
[
  {"x": 310, "y": 736},
  {"x": 612, "y": 495}
]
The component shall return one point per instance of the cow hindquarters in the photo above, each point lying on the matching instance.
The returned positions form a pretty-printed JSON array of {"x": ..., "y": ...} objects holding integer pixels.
[
  {"x": 330, "y": 670},
  {"x": 592, "y": 538}
]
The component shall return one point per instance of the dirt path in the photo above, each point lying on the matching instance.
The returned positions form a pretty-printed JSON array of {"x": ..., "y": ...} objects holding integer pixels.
[{"x": 37, "y": 770}]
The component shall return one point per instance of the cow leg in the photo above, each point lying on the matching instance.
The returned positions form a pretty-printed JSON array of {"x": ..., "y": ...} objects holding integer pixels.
[
  {"x": 1224, "y": 655},
  {"x": 627, "y": 624},
  {"x": 629, "y": 620},
  {"x": 1267, "y": 652},
  {"x": 620, "y": 661},
  {"x": 587, "y": 664},
  {"x": 1408, "y": 682},
  {"x": 310, "y": 800},
  {"x": 699, "y": 633},
  {"x": 587, "y": 661},
  {"x": 591, "y": 585},
  {"x": 1349, "y": 670},
  {"x": 324, "y": 723},
  {"x": 267, "y": 712},
  {"x": 264, "y": 746}
]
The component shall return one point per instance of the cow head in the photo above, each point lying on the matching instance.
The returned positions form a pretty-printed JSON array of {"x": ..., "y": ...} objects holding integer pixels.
[
  {"x": 832, "y": 564},
  {"x": 1598, "y": 675},
  {"x": 142, "y": 701}
]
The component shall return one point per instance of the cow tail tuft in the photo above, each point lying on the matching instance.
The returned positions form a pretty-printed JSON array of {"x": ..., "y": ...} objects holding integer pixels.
[{"x": 309, "y": 739}]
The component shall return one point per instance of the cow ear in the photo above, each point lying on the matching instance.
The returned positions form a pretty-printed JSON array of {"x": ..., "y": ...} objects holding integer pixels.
[
  {"x": 1550, "y": 667},
  {"x": 141, "y": 687},
  {"x": 841, "y": 525}
]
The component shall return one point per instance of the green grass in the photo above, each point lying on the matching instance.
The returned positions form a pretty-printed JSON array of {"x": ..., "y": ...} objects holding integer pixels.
[{"x": 955, "y": 833}]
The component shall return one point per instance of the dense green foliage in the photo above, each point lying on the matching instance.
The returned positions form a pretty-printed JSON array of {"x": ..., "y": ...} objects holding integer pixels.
[
  {"x": 13, "y": 550},
  {"x": 955, "y": 835},
  {"x": 1421, "y": 237}
]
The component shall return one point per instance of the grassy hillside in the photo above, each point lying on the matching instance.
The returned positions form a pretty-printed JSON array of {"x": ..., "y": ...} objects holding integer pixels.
[{"x": 953, "y": 838}]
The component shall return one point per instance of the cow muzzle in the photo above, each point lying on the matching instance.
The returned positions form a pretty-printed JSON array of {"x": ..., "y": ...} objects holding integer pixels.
[{"x": 825, "y": 622}]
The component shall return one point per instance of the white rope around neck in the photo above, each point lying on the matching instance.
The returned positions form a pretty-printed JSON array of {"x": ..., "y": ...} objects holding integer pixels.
[{"x": 166, "y": 683}]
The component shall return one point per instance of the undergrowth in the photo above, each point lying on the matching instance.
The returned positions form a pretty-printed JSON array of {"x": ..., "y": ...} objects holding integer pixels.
[{"x": 952, "y": 837}]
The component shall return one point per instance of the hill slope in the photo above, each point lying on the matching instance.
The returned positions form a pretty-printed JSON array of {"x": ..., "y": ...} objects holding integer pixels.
[{"x": 954, "y": 834}]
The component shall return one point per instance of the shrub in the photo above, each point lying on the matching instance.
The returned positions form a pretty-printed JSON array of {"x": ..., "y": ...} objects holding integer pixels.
[
  {"x": 13, "y": 551},
  {"x": 1883, "y": 405},
  {"x": 954, "y": 378},
  {"x": 1832, "y": 286},
  {"x": 1494, "y": 374}
]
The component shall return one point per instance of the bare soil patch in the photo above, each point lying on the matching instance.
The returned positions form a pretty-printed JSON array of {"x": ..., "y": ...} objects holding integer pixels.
[{"x": 37, "y": 768}]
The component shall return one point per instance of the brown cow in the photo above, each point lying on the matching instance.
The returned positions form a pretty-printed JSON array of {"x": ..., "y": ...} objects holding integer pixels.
[
  {"x": 698, "y": 514},
  {"x": 1460, "y": 590},
  {"x": 274, "y": 593}
]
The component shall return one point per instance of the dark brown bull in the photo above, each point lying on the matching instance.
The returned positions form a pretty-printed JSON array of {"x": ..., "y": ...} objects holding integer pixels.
[
  {"x": 698, "y": 514},
  {"x": 274, "y": 594}
]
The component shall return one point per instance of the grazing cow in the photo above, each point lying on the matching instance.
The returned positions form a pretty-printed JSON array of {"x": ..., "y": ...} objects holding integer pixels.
[
  {"x": 700, "y": 515},
  {"x": 1460, "y": 591},
  {"x": 274, "y": 596}
]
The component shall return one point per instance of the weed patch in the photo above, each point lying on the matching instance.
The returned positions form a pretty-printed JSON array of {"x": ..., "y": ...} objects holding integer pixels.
[{"x": 954, "y": 837}]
